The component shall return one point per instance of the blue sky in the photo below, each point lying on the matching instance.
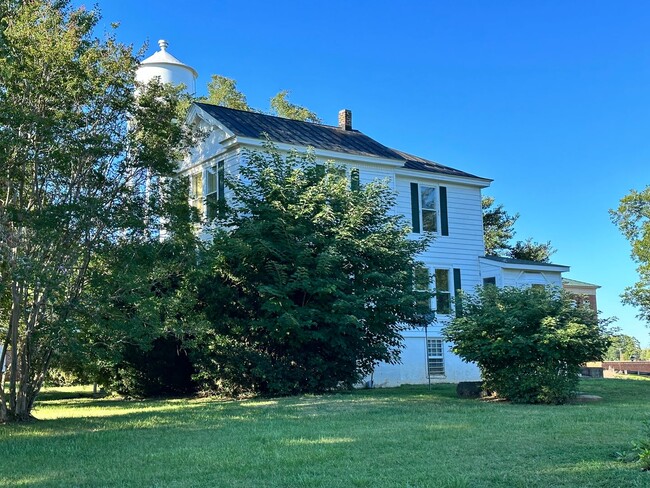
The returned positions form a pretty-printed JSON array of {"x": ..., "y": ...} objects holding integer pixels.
[{"x": 550, "y": 99}]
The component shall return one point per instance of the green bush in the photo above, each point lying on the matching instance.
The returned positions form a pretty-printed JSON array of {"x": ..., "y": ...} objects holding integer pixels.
[
  {"x": 310, "y": 281},
  {"x": 529, "y": 343}
]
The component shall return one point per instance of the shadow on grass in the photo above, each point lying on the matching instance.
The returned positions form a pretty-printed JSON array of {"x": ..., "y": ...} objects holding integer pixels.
[{"x": 381, "y": 437}]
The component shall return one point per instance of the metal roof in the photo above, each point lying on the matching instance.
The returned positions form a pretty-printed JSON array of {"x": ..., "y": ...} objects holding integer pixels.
[
  {"x": 570, "y": 282},
  {"x": 295, "y": 132}
]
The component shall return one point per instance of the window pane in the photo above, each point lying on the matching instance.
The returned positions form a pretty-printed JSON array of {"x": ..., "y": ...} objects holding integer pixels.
[
  {"x": 443, "y": 302},
  {"x": 442, "y": 280},
  {"x": 422, "y": 282},
  {"x": 436, "y": 367},
  {"x": 197, "y": 185},
  {"x": 211, "y": 206},
  {"x": 428, "y": 197},
  {"x": 421, "y": 278},
  {"x": 211, "y": 180},
  {"x": 429, "y": 220}
]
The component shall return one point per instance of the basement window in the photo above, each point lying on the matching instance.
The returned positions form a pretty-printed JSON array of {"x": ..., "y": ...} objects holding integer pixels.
[{"x": 435, "y": 358}]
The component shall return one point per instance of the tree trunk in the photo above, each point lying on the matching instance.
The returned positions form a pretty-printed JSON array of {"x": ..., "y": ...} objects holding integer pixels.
[
  {"x": 13, "y": 334},
  {"x": 4, "y": 416},
  {"x": 3, "y": 378}
]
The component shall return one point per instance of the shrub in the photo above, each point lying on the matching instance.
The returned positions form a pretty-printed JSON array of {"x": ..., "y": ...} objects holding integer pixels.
[
  {"x": 310, "y": 281},
  {"x": 163, "y": 370},
  {"x": 640, "y": 452},
  {"x": 529, "y": 343}
]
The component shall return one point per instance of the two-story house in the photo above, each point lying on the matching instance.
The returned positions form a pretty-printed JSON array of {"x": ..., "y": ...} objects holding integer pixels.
[{"x": 433, "y": 197}]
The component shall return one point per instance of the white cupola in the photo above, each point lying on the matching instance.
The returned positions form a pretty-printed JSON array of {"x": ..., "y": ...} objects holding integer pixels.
[{"x": 163, "y": 65}]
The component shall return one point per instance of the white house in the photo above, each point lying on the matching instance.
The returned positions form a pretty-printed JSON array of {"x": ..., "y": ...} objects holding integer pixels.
[{"x": 435, "y": 198}]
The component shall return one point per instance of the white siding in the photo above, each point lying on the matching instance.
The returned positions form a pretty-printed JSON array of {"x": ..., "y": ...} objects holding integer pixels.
[
  {"x": 413, "y": 368},
  {"x": 519, "y": 278}
]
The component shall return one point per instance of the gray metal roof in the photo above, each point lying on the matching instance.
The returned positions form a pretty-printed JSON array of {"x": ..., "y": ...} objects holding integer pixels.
[
  {"x": 295, "y": 132},
  {"x": 570, "y": 282}
]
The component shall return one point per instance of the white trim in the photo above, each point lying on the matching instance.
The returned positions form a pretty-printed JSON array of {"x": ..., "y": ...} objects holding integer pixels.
[
  {"x": 526, "y": 267},
  {"x": 396, "y": 165}
]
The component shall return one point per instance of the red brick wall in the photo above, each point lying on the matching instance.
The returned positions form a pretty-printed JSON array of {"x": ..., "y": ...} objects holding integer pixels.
[{"x": 643, "y": 366}]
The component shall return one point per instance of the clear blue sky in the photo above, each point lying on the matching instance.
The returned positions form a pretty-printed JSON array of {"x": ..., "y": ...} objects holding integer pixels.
[{"x": 550, "y": 99}]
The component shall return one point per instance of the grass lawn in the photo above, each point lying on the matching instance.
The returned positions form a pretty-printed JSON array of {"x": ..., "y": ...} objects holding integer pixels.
[{"x": 401, "y": 437}]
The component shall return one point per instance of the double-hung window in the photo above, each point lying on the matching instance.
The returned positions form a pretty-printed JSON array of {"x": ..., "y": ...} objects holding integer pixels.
[
  {"x": 428, "y": 207},
  {"x": 214, "y": 190},
  {"x": 422, "y": 287},
  {"x": 435, "y": 357},
  {"x": 443, "y": 291},
  {"x": 196, "y": 191}
]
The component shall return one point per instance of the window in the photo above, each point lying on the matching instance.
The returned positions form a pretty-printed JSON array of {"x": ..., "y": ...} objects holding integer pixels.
[
  {"x": 214, "y": 190},
  {"x": 196, "y": 191},
  {"x": 435, "y": 357},
  {"x": 490, "y": 281},
  {"x": 428, "y": 204},
  {"x": 422, "y": 284},
  {"x": 443, "y": 291},
  {"x": 428, "y": 208}
]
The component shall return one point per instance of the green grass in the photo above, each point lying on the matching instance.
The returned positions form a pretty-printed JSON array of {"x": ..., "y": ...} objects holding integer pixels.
[{"x": 402, "y": 437}]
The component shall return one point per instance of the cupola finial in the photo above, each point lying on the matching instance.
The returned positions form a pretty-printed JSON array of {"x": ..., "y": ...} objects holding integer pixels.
[{"x": 163, "y": 44}]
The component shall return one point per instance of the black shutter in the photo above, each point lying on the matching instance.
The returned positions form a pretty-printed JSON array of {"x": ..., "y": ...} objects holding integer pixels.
[
  {"x": 444, "y": 223},
  {"x": 415, "y": 207},
  {"x": 355, "y": 182},
  {"x": 221, "y": 174},
  {"x": 457, "y": 289}
]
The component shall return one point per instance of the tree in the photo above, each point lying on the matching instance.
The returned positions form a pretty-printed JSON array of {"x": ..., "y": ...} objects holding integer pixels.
[
  {"x": 282, "y": 107},
  {"x": 223, "y": 91},
  {"x": 83, "y": 171},
  {"x": 137, "y": 317},
  {"x": 633, "y": 219},
  {"x": 623, "y": 348},
  {"x": 532, "y": 251},
  {"x": 498, "y": 227},
  {"x": 529, "y": 343},
  {"x": 499, "y": 230},
  {"x": 311, "y": 282}
]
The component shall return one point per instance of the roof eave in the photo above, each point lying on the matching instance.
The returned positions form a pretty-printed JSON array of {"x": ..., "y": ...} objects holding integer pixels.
[
  {"x": 526, "y": 267},
  {"x": 395, "y": 164}
]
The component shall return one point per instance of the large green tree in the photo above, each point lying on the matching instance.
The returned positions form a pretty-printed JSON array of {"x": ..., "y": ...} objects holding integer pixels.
[
  {"x": 623, "y": 348},
  {"x": 223, "y": 91},
  {"x": 499, "y": 231},
  {"x": 633, "y": 219},
  {"x": 528, "y": 342},
  {"x": 310, "y": 281},
  {"x": 83, "y": 170}
]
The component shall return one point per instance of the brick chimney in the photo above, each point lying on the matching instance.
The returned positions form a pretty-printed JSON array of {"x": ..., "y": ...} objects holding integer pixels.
[{"x": 345, "y": 119}]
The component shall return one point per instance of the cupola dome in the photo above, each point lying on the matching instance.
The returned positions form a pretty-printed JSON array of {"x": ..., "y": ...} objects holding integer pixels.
[{"x": 163, "y": 65}]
